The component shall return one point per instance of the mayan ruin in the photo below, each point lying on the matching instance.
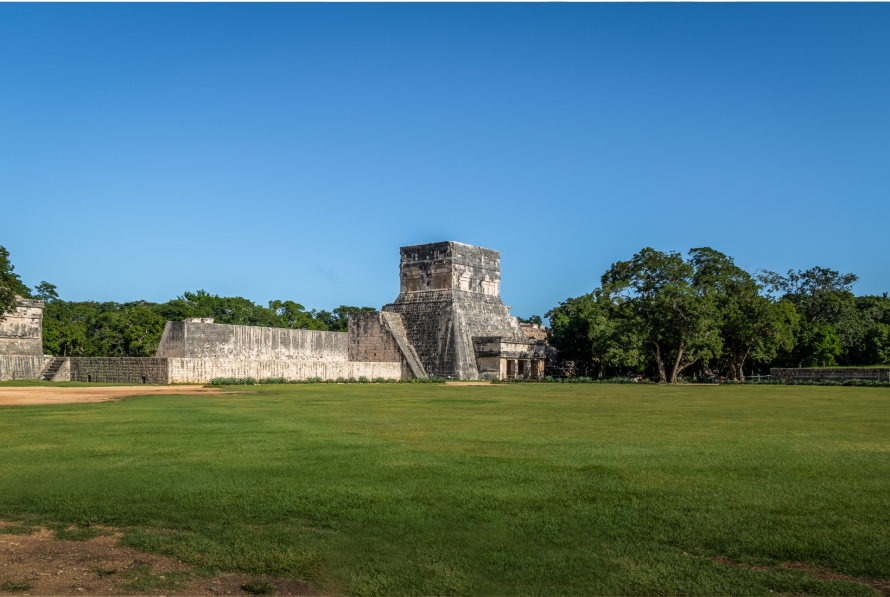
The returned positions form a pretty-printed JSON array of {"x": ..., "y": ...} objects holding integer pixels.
[{"x": 448, "y": 321}]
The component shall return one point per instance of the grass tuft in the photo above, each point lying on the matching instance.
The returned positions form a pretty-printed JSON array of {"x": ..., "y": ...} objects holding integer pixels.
[
  {"x": 143, "y": 579},
  {"x": 15, "y": 586},
  {"x": 19, "y": 529},
  {"x": 79, "y": 534},
  {"x": 258, "y": 587},
  {"x": 104, "y": 571}
]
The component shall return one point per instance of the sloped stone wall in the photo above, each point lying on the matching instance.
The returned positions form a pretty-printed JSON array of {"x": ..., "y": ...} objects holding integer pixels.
[
  {"x": 22, "y": 366},
  {"x": 193, "y": 340}
]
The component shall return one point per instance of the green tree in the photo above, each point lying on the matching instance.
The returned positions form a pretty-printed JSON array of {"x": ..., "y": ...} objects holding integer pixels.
[
  {"x": 823, "y": 345},
  {"x": 822, "y": 297},
  {"x": 752, "y": 325},
  {"x": 536, "y": 319},
  {"x": 666, "y": 303},
  {"x": 10, "y": 285},
  {"x": 46, "y": 292},
  {"x": 294, "y": 315},
  {"x": 338, "y": 320}
]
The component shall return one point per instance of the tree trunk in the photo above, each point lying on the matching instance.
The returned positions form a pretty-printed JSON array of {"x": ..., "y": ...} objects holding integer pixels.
[
  {"x": 660, "y": 362},
  {"x": 676, "y": 369}
]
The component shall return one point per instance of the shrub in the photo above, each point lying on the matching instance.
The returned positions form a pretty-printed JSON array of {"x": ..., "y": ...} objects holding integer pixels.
[
  {"x": 340, "y": 380},
  {"x": 363, "y": 379}
]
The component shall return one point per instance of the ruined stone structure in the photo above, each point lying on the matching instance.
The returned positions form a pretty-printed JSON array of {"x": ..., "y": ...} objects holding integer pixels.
[
  {"x": 454, "y": 321},
  {"x": 448, "y": 321},
  {"x": 21, "y": 341},
  {"x": 830, "y": 374}
]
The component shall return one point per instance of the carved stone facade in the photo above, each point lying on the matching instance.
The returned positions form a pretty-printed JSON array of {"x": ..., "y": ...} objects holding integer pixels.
[
  {"x": 21, "y": 332},
  {"x": 449, "y": 296},
  {"x": 21, "y": 341}
]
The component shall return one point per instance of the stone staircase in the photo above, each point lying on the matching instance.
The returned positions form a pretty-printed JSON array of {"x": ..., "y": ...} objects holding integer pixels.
[
  {"x": 52, "y": 368},
  {"x": 397, "y": 329}
]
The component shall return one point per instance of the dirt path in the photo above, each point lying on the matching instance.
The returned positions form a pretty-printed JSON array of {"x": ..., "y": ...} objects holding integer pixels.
[
  {"x": 12, "y": 396},
  {"x": 101, "y": 567}
]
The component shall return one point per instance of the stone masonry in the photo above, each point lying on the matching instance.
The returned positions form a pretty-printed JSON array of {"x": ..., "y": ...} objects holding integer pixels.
[
  {"x": 133, "y": 370},
  {"x": 830, "y": 374},
  {"x": 203, "y": 339},
  {"x": 381, "y": 337},
  {"x": 448, "y": 321},
  {"x": 450, "y": 294},
  {"x": 21, "y": 341},
  {"x": 21, "y": 332}
]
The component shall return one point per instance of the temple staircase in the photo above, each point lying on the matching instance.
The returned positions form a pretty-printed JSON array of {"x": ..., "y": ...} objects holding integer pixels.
[
  {"x": 52, "y": 368},
  {"x": 397, "y": 329}
]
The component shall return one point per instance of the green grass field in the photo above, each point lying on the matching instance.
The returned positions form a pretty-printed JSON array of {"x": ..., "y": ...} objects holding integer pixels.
[{"x": 546, "y": 489}]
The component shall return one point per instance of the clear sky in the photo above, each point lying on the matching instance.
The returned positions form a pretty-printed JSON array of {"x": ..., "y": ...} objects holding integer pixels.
[{"x": 286, "y": 151}]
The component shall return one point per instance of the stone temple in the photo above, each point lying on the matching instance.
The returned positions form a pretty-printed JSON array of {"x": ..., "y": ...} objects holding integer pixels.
[{"x": 447, "y": 321}]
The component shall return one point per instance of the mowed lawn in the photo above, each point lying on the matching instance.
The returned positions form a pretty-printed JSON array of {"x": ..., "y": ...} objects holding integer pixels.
[{"x": 512, "y": 490}]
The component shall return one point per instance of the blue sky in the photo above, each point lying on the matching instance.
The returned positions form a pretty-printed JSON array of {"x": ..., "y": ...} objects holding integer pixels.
[{"x": 286, "y": 151}]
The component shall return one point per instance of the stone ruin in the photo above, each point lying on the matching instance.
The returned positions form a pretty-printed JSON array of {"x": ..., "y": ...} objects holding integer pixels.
[{"x": 448, "y": 321}]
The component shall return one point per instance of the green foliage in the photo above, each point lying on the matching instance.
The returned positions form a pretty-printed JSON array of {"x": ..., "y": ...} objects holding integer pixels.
[
  {"x": 259, "y": 587},
  {"x": 15, "y": 586},
  {"x": 142, "y": 579},
  {"x": 104, "y": 571},
  {"x": 337, "y": 321},
  {"x": 533, "y": 319},
  {"x": 822, "y": 346},
  {"x": 10, "y": 285},
  {"x": 669, "y": 305},
  {"x": 549, "y": 379},
  {"x": 78, "y": 534},
  {"x": 19, "y": 529}
]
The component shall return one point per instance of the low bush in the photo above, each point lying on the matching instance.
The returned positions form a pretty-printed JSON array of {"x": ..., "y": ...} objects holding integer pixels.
[
  {"x": 250, "y": 381},
  {"x": 862, "y": 383},
  {"x": 549, "y": 379}
]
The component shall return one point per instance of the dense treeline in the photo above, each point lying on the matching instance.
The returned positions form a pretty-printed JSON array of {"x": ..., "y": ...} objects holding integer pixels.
[
  {"x": 669, "y": 318},
  {"x": 109, "y": 329},
  {"x": 657, "y": 313}
]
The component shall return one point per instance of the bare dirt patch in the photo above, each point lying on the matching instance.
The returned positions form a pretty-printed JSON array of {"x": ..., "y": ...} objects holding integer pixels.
[
  {"x": 881, "y": 586},
  {"x": 12, "y": 396},
  {"x": 102, "y": 567}
]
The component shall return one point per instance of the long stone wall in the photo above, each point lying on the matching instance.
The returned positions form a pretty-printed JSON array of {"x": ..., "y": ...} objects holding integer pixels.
[
  {"x": 203, "y": 370},
  {"x": 830, "y": 374},
  {"x": 170, "y": 370},
  {"x": 132, "y": 370},
  {"x": 23, "y": 366},
  {"x": 192, "y": 340}
]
